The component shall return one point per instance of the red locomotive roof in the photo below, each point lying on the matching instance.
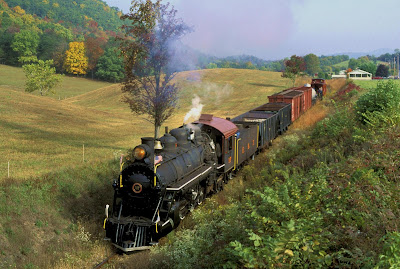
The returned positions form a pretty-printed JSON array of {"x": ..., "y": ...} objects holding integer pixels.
[{"x": 226, "y": 127}]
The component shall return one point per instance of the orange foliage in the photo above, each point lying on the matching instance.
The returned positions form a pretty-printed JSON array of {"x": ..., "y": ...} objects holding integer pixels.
[{"x": 94, "y": 50}]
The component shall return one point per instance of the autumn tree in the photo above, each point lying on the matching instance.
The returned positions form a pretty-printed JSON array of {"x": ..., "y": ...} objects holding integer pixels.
[
  {"x": 40, "y": 76},
  {"x": 294, "y": 67},
  {"x": 94, "y": 50},
  {"x": 312, "y": 64},
  {"x": 150, "y": 32},
  {"x": 76, "y": 61}
]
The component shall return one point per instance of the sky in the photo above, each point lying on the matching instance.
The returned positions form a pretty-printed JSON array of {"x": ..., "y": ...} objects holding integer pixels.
[{"x": 275, "y": 29}]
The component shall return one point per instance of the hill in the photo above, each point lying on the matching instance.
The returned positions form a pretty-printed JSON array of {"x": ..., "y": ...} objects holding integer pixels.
[
  {"x": 72, "y": 13},
  {"x": 43, "y": 134},
  {"x": 14, "y": 78}
]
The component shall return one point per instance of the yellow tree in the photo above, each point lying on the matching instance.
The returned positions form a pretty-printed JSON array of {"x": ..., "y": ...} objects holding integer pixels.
[{"x": 76, "y": 61}]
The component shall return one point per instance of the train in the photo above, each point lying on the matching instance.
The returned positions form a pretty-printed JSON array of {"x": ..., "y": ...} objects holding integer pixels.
[{"x": 168, "y": 177}]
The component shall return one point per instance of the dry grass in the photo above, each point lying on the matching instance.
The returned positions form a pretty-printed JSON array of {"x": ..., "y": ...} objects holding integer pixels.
[
  {"x": 42, "y": 134},
  {"x": 320, "y": 110},
  {"x": 14, "y": 78}
]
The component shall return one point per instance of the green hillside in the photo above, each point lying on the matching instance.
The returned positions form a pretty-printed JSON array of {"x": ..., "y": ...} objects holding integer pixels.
[
  {"x": 72, "y": 13},
  {"x": 342, "y": 65}
]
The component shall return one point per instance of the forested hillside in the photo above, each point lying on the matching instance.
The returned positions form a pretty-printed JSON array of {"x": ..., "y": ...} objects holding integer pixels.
[
  {"x": 72, "y": 13},
  {"x": 51, "y": 30}
]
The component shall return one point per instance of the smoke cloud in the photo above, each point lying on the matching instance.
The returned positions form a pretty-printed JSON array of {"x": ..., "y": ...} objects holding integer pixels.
[
  {"x": 215, "y": 93},
  {"x": 195, "y": 111}
]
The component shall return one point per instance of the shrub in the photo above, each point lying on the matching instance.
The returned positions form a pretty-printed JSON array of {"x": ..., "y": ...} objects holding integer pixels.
[
  {"x": 381, "y": 103},
  {"x": 390, "y": 257}
]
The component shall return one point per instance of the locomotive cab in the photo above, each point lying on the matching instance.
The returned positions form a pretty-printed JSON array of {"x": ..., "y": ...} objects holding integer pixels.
[{"x": 222, "y": 132}]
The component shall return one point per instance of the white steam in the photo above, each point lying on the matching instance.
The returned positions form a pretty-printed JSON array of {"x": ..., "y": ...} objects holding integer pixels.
[
  {"x": 214, "y": 93},
  {"x": 195, "y": 111}
]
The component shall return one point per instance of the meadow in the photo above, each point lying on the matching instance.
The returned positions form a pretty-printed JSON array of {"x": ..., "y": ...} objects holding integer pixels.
[{"x": 44, "y": 134}]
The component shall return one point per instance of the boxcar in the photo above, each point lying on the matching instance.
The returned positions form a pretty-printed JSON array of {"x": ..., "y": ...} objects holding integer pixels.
[{"x": 295, "y": 98}]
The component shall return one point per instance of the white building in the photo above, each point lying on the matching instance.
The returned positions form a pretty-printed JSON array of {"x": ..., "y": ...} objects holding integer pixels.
[{"x": 359, "y": 74}]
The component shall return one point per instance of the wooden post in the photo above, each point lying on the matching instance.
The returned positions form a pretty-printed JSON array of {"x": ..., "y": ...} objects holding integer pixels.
[{"x": 83, "y": 153}]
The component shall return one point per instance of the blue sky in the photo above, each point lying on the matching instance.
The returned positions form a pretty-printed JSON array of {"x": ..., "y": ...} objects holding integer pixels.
[{"x": 274, "y": 29}]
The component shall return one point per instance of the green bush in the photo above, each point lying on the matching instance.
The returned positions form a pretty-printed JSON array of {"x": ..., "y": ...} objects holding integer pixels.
[
  {"x": 380, "y": 104},
  {"x": 390, "y": 258}
]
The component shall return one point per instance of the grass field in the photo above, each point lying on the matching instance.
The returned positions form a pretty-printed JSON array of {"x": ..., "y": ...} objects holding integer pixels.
[
  {"x": 43, "y": 134},
  {"x": 342, "y": 65},
  {"x": 14, "y": 78},
  {"x": 367, "y": 84}
]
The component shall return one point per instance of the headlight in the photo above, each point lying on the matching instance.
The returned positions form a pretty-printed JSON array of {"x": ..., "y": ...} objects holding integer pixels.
[{"x": 139, "y": 153}]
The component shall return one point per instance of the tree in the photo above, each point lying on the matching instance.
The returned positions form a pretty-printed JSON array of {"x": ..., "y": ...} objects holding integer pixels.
[
  {"x": 76, "y": 61},
  {"x": 41, "y": 77},
  {"x": 382, "y": 71},
  {"x": 110, "y": 66},
  {"x": 25, "y": 43},
  {"x": 353, "y": 63},
  {"x": 148, "y": 50},
  {"x": 294, "y": 68},
  {"x": 369, "y": 67},
  {"x": 94, "y": 51},
  {"x": 312, "y": 64}
]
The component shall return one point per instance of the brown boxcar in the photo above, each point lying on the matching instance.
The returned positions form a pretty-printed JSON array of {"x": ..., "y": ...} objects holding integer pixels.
[
  {"x": 307, "y": 97},
  {"x": 290, "y": 97}
]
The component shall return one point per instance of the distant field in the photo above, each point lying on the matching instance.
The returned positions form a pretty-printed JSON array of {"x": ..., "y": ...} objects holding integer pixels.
[
  {"x": 42, "y": 134},
  {"x": 370, "y": 83},
  {"x": 342, "y": 65},
  {"x": 14, "y": 78}
]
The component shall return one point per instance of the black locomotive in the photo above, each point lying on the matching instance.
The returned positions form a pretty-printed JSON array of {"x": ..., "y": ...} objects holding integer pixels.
[{"x": 172, "y": 175}]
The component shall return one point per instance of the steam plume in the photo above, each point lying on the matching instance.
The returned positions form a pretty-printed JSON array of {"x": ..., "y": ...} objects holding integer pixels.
[{"x": 195, "y": 111}]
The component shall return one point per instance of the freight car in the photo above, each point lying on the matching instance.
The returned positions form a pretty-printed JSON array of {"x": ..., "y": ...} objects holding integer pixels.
[{"x": 170, "y": 176}]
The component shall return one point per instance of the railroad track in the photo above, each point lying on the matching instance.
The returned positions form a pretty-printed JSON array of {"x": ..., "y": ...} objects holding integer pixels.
[{"x": 105, "y": 261}]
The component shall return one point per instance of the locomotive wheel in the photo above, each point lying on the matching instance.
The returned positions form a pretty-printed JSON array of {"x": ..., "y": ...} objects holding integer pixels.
[
  {"x": 182, "y": 212},
  {"x": 200, "y": 196},
  {"x": 219, "y": 185}
]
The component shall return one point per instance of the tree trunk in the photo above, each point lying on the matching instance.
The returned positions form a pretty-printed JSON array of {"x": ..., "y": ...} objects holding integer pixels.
[{"x": 157, "y": 131}]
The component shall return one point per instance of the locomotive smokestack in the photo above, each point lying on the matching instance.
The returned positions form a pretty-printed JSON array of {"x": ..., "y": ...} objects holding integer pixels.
[{"x": 166, "y": 129}]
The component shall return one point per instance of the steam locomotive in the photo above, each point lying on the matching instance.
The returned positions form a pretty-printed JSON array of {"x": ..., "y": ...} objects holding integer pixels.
[{"x": 170, "y": 176}]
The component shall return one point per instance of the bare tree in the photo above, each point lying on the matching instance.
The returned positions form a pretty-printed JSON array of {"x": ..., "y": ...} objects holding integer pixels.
[{"x": 148, "y": 50}]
